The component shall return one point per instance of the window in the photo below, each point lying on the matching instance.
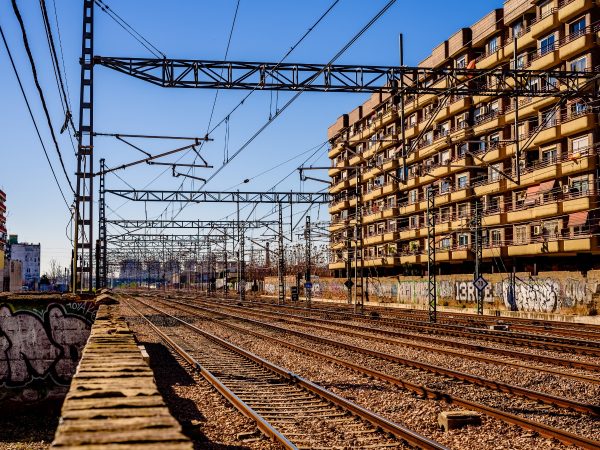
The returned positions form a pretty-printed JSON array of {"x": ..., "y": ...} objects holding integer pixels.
[
  {"x": 463, "y": 240},
  {"x": 412, "y": 196},
  {"x": 496, "y": 237},
  {"x": 463, "y": 210},
  {"x": 445, "y": 157},
  {"x": 413, "y": 221},
  {"x": 545, "y": 9},
  {"x": 493, "y": 44},
  {"x": 520, "y": 198},
  {"x": 579, "y": 186},
  {"x": 550, "y": 229},
  {"x": 547, "y": 44},
  {"x": 461, "y": 150},
  {"x": 521, "y": 236},
  {"x": 495, "y": 170},
  {"x": 577, "y": 27},
  {"x": 549, "y": 155},
  {"x": 549, "y": 118},
  {"x": 517, "y": 28},
  {"x": 580, "y": 144},
  {"x": 445, "y": 243},
  {"x": 461, "y": 62},
  {"x": 412, "y": 120},
  {"x": 444, "y": 186},
  {"x": 445, "y": 214},
  {"x": 494, "y": 204},
  {"x": 462, "y": 181},
  {"x": 494, "y": 140},
  {"x": 521, "y": 60},
  {"x": 579, "y": 65}
]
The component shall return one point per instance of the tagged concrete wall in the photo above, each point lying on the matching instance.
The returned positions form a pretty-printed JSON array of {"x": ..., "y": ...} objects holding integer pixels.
[
  {"x": 550, "y": 292},
  {"x": 40, "y": 346}
]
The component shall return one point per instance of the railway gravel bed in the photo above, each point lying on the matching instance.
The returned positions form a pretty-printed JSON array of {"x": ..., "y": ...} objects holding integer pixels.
[
  {"x": 379, "y": 326},
  {"x": 312, "y": 421},
  {"x": 390, "y": 401},
  {"x": 205, "y": 416}
]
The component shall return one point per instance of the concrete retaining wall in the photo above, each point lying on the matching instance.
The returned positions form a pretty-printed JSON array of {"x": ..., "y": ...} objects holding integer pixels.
[
  {"x": 41, "y": 340},
  {"x": 548, "y": 292}
]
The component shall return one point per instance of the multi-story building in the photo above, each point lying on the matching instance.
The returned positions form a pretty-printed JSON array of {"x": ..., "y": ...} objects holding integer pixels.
[
  {"x": 29, "y": 255},
  {"x": 463, "y": 145}
]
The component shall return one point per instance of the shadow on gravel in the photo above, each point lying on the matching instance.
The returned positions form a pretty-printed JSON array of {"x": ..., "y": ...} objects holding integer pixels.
[
  {"x": 168, "y": 373},
  {"x": 30, "y": 430}
]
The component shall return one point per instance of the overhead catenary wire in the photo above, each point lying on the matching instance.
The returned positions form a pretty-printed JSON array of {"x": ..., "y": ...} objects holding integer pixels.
[
  {"x": 303, "y": 89},
  {"x": 39, "y": 89},
  {"x": 14, "y": 67}
]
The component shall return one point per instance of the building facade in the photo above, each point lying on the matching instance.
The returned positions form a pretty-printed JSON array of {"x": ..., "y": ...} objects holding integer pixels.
[
  {"x": 29, "y": 256},
  {"x": 462, "y": 146}
]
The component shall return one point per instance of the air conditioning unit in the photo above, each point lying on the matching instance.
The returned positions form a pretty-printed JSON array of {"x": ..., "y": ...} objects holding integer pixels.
[
  {"x": 566, "y": 188},
  {"x": 537, "y": 230}
]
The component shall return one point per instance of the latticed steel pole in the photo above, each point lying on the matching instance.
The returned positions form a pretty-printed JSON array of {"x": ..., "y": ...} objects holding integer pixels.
[
  {"x": 102, "y": 265},
  {"x": 478, "y": 254},
  {"x": 242, "y": 263},
  {"x": 307, "y": 279},
  {"x": 431, "y": 285},
  {"x": 281, "y": 262},
  {"x": 83, "y": 260},
  {"x": 358, "y": 249}
]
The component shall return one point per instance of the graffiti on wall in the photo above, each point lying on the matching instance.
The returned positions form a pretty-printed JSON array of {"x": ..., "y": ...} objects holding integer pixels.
[
  {"x": 42, "y": 345},
  {"x": 535, "y": 294}
]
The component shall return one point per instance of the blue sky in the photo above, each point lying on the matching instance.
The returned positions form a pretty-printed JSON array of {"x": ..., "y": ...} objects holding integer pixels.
[{"x": 265, "y": 30}]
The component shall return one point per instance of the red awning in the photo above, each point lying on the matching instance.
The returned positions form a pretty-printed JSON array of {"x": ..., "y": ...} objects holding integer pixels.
[
  {"x": 532, "y": 190},
  {"x": 546, "y": 186},
  {"x": 578, "y": 219}
]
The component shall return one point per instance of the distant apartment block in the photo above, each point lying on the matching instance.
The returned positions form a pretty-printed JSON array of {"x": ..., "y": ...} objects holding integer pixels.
[
  {"x": 29, "y": 256},
  {"x": 548, "y": 221}
]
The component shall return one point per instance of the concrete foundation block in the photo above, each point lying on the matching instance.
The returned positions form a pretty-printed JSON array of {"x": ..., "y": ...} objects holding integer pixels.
[{"x": 451, "y": 420}]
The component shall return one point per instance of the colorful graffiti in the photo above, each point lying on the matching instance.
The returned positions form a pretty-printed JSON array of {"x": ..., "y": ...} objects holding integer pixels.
[
  {"x": 40, "y": 346},
  {"x": 536, "y": 294}
]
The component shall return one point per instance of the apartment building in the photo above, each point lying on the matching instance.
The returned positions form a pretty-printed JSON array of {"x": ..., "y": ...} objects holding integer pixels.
[{"x": 463, "y": 145}]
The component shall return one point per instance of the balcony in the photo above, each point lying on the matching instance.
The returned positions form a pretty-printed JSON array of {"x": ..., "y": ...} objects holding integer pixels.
[
  {"x": 575, "y": 45},
  {"x": 442, "y": 254},
  {"x": 410, "y": 234},
  {"x": 385, "y": 119},
  {"x": 489, "y": 121},
  {"x": 497, "y": 251},
  {"x": 545, "y": 23},
  {"x": 459, "y": 105},
  {"x": 390, "y": 164},
  {"x": 339, "y": 206},
  {"x": 372, "y": 216},
  {"x": 532, "y": 213},
  {"x": 391, "y": 236},
  {"x": 489, "y": 60},
  {"x": 337, "y": 265},
  {"x": 461, "y": 254},
  {"x": 411, "y": 259},
  {"x": 390, "y": 212},
  {"x": 389, "y": 188},
  {"x": 340, "y": 186},
  {"x": 336, "y": 149},
  {"x": 580, "y": 244},
  {"x": 576, "y": 123},
  {"x": 373, "y": 240},
  {"x": 493, "y": 219},
  {"x": 460, "y": 194},
  {"x": 576, "y": 204},
  {"x": 544, "y": 60},
  {"x": 577, "y": 163},
  {"x": 372, "y": 194},
  {"x": 548, "y": 134},
  {"x": 568, "y": 9}
]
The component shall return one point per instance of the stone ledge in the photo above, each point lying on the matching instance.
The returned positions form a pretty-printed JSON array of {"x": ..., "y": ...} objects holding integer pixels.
[{"x": 113, "y": 402}]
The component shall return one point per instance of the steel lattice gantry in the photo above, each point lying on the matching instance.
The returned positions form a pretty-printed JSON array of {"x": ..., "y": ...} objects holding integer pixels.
[
  {"x": 191, "y": 224},
  {"x": 188, "y": 73},
  {"x": 222, "y": 197}
]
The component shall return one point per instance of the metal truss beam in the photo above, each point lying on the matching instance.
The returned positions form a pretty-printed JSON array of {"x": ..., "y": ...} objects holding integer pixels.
[
  {"x": 221, "y": 197},
  {"x": 125, "y": 238},
  {"x": 206, "y": 74},
  {"x": 192, "y": 224}
]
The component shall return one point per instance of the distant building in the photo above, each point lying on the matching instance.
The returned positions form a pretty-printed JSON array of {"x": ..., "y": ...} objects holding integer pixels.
[{"x": 29, "y": 255}]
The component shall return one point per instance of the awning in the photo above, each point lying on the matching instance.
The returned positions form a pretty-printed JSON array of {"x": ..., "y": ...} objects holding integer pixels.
[
  {"x": 577, "y": 219},
  {"x": 546, "y": 186},
  {"x": 533, "y": 190}
]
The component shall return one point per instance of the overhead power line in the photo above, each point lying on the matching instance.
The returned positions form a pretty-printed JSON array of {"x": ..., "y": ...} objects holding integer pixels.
[
  {"x": 129, "y": 29},
  {"x": 14, "y": 67},
  {"x": 39, "y": 89},
  {"x": 293, "y": 99}
]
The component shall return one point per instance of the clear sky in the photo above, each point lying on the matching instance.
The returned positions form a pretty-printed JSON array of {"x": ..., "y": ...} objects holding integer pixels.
[{"x": 264, "y": 31}]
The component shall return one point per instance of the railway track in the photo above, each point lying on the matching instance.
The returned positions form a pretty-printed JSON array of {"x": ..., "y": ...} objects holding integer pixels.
[
  {"x": 285, "y": 406},
  {"x": 399, "y": 337},
  {"x": 370, "y": 334},
  {"x": 561, "y": 344},
  {"x": 461, "y": 376},
  {"x": 543, "y": 429}
]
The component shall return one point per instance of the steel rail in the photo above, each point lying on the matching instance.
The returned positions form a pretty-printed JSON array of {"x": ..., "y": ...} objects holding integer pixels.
[
  {"x": 401, "y": 432},
  {"x": 428, "y": 393},
  {"x": 263, "y": 425},
  {"x": 462, "y": 345},
  {"x": 299, "y": 320},
  {"x": 549, "y": 343},
  {"x": 462, "y": 376}
]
